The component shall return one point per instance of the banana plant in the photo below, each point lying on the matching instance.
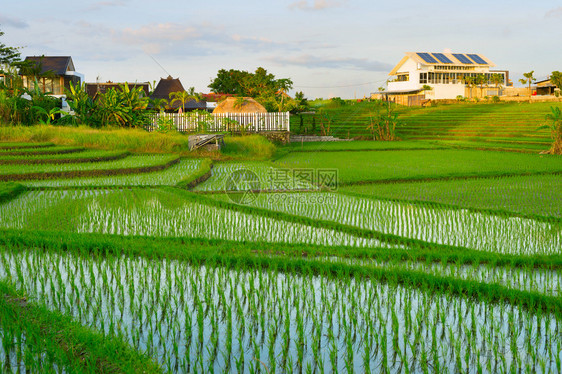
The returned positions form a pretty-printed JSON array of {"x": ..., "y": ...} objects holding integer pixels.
[{"x": 50, "y": 115}]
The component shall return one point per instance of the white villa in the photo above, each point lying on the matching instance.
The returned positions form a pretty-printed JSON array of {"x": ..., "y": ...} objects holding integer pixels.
[{"x": 447, "y": 75}]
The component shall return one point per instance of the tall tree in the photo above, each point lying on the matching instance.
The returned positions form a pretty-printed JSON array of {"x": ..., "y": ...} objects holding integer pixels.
[
  {"x": 242, "y": 83},
  {"x": 8, "y": 55},
  {"x": 556, "y": 79},
  {"x": 528, "y": 79}
]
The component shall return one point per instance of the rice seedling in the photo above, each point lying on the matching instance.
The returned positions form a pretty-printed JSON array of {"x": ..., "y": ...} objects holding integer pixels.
[
  {"x": 526, "y": 195},
  {"x": 416, "y": 328},
  {"x": 265, "y": 172},
  {"x": 439, "y": 225},
  {"x": 152, "y": 212}
]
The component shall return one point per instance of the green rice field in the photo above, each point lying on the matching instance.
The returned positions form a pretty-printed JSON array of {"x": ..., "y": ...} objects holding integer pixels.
[{"x": 421, "y": 256}]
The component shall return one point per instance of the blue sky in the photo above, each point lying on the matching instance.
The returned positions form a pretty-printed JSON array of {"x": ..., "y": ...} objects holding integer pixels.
[{"x": 327, "y": 47}]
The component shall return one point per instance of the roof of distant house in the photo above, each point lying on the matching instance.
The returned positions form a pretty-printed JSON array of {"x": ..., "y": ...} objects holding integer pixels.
[
  {"x": 213, "y": 96},
  {"x": 444, "y": 59},
  {"x": 94, "y": 88},
  {"x": 59, "y": 65}
]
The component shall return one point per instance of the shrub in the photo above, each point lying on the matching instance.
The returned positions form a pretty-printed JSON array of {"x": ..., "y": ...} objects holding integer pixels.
[
  {"x": 251, "y": 146},
  {"x": 336, "y": 102},
  {"x": 495, "y": 99}
]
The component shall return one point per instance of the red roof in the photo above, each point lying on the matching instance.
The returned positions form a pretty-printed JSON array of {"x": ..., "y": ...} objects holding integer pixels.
[{"x": 213, "y": 97}]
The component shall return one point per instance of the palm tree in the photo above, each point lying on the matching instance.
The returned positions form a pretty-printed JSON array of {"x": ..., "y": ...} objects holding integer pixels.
[
  {"x": 469, "y": 81},
  {"x": 497, "y": 79},
  {"x": 184, "y": 96},
  {"x": 529, "y": 79},
  {"x": 160, "y": 104},
  {"x": 481, "y": 80}
]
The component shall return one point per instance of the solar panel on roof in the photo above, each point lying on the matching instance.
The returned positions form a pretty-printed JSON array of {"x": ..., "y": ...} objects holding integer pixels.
[
  {"x": 441, "y": 57},
  {"x": 427, "y": 58},
  {"x": 477, "y": 59},
  {"x": 462, "y": 58}
]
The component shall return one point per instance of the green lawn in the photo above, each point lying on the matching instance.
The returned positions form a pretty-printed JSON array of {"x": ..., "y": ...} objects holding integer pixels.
[
  {"x": 510, "y": 122},
  {"x": 355, "y": 167}
]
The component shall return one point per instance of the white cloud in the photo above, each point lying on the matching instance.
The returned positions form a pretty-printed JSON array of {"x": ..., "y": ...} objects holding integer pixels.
[
  {"x": 554, "y": 13},
  {"x": 310, "y": 61},
  {"x": 158, "y": 32},
  {"x": 13, "y": 22},
  {"x": 104, "y": 4},
  {"x": 315, "y": 4}
]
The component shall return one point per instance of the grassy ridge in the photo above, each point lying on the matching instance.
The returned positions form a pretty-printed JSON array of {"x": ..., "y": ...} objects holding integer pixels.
[
  {"x": 201, "y": 174},
  {"x": 200, "y": 249},
  {"x": 133, "y": 140},
  {"x": 55, "y": 150},
  {"x": 53, "y": 340},
  {"x": 15, "y": 145},
  {"x": 72, "y": 158},
  {"x": 237, "y": 256},
  {"x": 129, "y": 165},
  {"x": 10, "y": 190}
]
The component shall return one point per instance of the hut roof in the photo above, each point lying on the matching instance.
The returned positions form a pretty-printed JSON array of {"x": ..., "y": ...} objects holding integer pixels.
[
  {"x": 248, "y": 106},
  {"x": 166, "y": 86}
]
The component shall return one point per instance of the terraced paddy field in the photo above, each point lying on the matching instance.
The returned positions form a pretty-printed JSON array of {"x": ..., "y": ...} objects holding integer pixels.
[
  {"x": 421, "y": 258},
  {"x": 511, "y": 126}
]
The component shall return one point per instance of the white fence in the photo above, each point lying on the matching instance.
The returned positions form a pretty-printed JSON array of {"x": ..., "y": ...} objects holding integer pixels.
[{"x": 219, "y": 122}]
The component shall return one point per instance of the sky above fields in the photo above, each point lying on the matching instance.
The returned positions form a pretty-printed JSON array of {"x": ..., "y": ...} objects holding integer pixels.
[{"x": 327, "y": 47}]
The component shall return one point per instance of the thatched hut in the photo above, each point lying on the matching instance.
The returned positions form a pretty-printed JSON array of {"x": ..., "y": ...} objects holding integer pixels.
[
  {"x": 169, "y": 85},
  {"x": 235, "y": 105}
]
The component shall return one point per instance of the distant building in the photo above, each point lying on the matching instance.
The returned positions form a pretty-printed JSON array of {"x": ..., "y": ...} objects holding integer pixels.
[
  {"x": 545, "y": 87},
  {"x": 420, "y": 76},
  {"x": 52, "y": 73},
  {"x": 166, "y": 86},
  {"x": 94, "y": 88}
]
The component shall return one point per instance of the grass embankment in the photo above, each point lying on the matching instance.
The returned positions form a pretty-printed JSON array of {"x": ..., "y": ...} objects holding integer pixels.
[
  {"x": 71, "y": 158},
  {"x": 52, "y": 341},
  {"x": 509, "y": 126},
  {"x": 136, "y": 141},
  {"x": 201, "y": 174},
  {"x": 13, "y": 145},
  {"x": 128, "y": 165},
  {"x": 419, "y": 165},
  {"x": 43, "y": 151},
  {"x": 10, "y": 190},
  {"x": 133, "y": 140}
]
